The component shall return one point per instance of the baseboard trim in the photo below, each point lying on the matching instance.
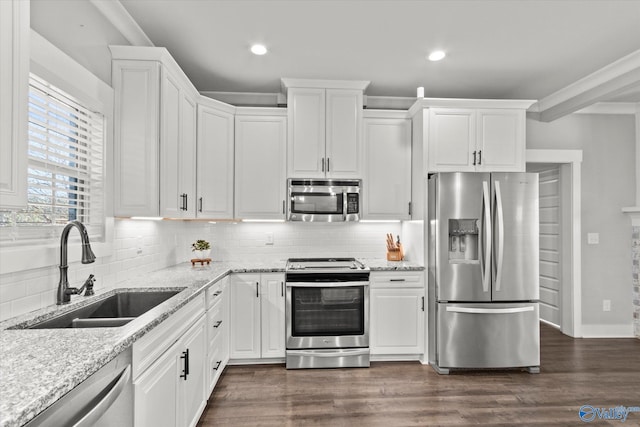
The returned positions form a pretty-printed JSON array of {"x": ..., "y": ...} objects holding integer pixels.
[{"x": 608, "y": 331}]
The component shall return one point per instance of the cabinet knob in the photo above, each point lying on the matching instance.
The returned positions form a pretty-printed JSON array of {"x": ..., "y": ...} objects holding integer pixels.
[
  {"x": 480, "y": 157},
  {"x": 474, "y": 158}
]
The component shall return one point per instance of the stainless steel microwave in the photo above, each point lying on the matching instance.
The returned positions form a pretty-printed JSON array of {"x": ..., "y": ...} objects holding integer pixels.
[{"x": 324, "y": 200}]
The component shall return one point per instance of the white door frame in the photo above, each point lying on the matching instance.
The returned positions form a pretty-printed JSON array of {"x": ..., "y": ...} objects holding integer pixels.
[{"x": 570, "y": 162}]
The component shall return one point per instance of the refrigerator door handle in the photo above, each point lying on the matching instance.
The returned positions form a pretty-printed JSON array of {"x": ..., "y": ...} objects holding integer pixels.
[
  {"x": 499, "y": 247},
  {"x": 473, "y": 310},
  {"x": 485, "y": 229}
]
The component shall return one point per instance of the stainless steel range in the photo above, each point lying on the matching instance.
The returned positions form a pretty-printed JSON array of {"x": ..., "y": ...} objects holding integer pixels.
[{"x": 327, "y": 313}]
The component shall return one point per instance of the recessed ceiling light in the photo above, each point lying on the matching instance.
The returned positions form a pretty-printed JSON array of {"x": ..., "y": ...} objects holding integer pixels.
[
  {"x": 258, "y": 49},
  {"x": 436, "y": 55}
]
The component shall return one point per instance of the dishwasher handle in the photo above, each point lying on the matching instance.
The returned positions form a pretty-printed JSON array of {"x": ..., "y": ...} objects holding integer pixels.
[{"x": 94, "y": 414}]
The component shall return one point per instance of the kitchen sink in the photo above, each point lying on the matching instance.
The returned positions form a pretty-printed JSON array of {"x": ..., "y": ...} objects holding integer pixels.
[{"x": 116, "y": 310}]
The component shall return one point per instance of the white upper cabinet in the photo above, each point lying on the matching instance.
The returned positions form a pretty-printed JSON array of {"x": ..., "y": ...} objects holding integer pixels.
[
  {"x": 155, "y": 135},
  {"x": 451, "y": 139},
  {"x": 343, "y": 133},
  {"x": 14, "y": 86},
  {"x": 215, "y": 160},
  {"x": 501, "y": 139},
  {"x": 387, "y": 154},
  {"x": 136, "y": 138},
  {"x": 324, "y": 128},
  {"x": 306, "y": 131},
  {"x": 475, "y": 135},
  {"x": 260, "y": 153}
]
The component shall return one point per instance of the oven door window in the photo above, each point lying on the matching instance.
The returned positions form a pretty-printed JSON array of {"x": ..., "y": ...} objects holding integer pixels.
[
  {"x": 317, "y": 203},
  {"x": 324, "y": 311}
]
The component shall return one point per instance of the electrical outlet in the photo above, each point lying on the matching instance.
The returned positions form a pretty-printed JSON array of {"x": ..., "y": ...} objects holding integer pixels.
[
  {"x": 606, "y": 305},
  {"x": 139, "y": 245},
  {"x": 269, "y": 236},
  {"x": 593, "y": 238}
]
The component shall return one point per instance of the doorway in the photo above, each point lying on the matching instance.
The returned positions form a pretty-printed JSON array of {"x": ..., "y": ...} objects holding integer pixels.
[{"x": 560, "y": 229}]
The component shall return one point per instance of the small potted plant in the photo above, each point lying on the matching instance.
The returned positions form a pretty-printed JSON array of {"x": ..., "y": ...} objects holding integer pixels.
[{"x": 201, "y": 249}]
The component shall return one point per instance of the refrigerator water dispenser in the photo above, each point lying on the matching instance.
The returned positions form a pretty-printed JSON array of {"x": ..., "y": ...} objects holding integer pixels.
[{"x": 463, "y": 240}]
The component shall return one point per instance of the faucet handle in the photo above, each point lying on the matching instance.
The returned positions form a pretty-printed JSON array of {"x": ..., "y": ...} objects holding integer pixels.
[{"x": 88, "y": 286}]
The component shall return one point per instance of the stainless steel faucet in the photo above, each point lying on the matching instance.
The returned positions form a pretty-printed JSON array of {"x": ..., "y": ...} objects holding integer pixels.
[{"x": 64, "y": 291}]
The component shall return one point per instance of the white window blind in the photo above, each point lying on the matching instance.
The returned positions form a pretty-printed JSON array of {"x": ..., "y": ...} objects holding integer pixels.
[{"x": 65, "y": 174}]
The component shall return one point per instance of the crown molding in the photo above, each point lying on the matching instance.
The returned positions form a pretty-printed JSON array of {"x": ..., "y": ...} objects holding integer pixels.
[
  {"x": 611, "y": 80},
  {"x": 286, "y": 83},
  {"x": 610, "y": 108},
  {"x": 115, "y": 13}
]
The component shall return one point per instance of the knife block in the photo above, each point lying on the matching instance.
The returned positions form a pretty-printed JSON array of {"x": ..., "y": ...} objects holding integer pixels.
[{"x": 395, "y": 254}]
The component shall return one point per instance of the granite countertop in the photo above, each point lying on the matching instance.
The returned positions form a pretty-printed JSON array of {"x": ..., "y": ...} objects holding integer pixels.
[{"x": 39, "y": 366}]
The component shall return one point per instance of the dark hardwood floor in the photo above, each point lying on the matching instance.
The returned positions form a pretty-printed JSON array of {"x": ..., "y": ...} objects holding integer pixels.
[{"x": 604, "y": 373}]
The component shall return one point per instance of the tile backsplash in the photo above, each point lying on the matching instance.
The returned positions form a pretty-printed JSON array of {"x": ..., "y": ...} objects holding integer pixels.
[{"x": 143, "y": 246}]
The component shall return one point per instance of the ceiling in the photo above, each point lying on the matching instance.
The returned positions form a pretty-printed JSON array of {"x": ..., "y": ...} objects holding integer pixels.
[{"x": 521, "y": 49}]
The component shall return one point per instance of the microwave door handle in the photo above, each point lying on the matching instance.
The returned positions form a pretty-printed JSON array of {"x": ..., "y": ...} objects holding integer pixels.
[{"x": 344, "y": 205}]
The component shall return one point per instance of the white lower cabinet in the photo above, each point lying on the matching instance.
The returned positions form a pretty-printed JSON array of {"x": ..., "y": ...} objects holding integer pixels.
[
  {"x": 171, "y": 391},
  {"x": 257, "y": 321},
  {"x": 397, "y": 313},
  {"x": 169, "y": 377}
]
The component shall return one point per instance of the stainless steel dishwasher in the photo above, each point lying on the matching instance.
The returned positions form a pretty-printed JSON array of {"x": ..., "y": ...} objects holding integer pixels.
[{"x": 105, "y": 399}]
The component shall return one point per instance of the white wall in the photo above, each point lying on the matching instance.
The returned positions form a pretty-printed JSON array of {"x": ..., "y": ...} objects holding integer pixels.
[{"x": 608, "y": 184}]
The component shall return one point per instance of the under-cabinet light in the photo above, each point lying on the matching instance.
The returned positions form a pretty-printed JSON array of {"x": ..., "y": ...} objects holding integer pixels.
[
  {"x": 263, "y": 220},
  {"x": 372, "y": 221},
  {"x": 148, "y": 218}
]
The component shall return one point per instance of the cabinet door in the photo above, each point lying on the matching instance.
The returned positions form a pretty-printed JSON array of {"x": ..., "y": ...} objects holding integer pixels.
[
  {"x": 452, "y": 137},
  {"x": 187, "y": 155},
  {"x": 260, "y": 167},
  {"x": 306, "y": 133},
  {"x": 136, "y": 157},
  {"x": 387, "y": 184},
  {"x": 14, "y": 86},
  {"x": 192, "y": 389},
  {"x": 215, "y": 163},
  {"x": 273, "y": 316},
  {"x": 343, "y": 133},
  {"x": 244, "y": 338},
  {"x": 397, "y": 321},
  {"x": 501, "y": 140},
  {"x": 156, "y": 392},
  {"x": 170, "y": 200}
]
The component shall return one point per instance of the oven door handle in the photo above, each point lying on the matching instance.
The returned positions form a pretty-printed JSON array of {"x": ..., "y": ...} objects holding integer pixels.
[
  {"x": 325, "y": 284},
  {"x": 330, "y": 352}
]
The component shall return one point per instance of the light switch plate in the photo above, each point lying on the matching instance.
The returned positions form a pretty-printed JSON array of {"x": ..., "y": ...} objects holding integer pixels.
[
  {"x": 269, "y": 238},
  {"x": 593, "y": 238}
]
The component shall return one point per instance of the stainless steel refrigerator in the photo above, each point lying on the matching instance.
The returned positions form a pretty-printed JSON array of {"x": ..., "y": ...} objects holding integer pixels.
[{"x": 483, "y": 271}]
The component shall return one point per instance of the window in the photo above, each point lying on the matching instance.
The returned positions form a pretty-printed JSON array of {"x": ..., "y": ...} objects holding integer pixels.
[{"x": 65, "y": 162}]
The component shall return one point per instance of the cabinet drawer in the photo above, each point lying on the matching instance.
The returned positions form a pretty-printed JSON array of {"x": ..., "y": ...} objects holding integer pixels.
[
  {"x": 413, "y": 279},
  {"x": 214, "y": 294},
  {"x": 216, "y": 361},
  {"x": 148, "y": 348},
  {"x": 215, "y": 321}
]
